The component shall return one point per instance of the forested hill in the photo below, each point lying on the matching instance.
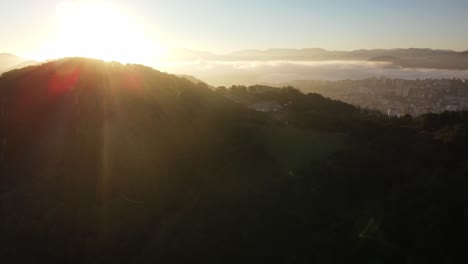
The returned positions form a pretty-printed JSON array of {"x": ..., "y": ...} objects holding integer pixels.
[
  {"x": 96, "y": 155},
  {"x": 105, "y": 163},
  {"x": 87, "y": 106}
]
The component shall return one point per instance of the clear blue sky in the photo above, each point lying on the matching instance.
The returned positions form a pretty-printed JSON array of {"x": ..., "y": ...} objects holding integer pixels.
[{"x": 222, "y": 25}]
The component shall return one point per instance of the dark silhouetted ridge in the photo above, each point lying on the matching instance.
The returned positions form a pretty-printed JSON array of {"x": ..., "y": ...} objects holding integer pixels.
[{"x": 110, "y": 163}]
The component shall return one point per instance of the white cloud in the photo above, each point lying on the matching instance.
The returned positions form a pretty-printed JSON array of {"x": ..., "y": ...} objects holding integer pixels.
[{"x": 252, "y": 72}]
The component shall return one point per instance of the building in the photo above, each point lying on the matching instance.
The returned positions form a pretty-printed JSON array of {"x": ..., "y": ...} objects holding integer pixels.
[{"x": 266, "y": 107}]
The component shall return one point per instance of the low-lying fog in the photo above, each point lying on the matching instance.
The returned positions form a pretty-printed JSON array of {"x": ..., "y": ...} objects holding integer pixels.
[{"x": 219, "y": 73}]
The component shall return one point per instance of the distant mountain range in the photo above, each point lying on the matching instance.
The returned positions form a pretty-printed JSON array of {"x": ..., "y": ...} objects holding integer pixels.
[
  {"x": 399, "y": 58},
  {"x": 405, "y": 58},
  {"x": 10, "y": 62}
]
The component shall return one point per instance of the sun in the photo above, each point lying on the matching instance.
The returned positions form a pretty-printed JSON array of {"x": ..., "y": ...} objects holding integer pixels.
[{"x": 100, "y": 30}]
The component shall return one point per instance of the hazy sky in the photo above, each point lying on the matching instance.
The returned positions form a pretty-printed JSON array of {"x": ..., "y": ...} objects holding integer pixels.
[{"x": 28, "y": 27}]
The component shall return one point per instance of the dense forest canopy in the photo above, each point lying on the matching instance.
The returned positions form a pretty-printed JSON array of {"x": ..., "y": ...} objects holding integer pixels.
[{"x": 104, "y": 163}]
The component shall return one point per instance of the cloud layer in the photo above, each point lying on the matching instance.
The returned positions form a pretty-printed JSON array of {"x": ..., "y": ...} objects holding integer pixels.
[{"x": 254, "y": 72}]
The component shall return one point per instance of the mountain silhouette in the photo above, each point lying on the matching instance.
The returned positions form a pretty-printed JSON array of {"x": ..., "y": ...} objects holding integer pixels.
[
  {"x": 7, "y": 61},
  {"x": 84, "y": 141},
  {"x": 95, "y": 106},
  {"x": 108, "y": 163}
]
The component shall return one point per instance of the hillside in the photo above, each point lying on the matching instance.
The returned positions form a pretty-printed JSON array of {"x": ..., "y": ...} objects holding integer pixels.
[
  {"x": 105, "y": 163},
  {"x": 91, "y": 147}
]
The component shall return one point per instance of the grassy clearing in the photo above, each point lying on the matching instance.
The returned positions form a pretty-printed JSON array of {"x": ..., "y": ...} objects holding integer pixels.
[{"x": 295, "y": 148}]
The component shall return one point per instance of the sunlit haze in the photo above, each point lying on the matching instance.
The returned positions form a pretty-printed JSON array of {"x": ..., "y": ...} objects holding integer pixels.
[
  {"x": 142, "y": 31},
  {"x": 100, "y": 31}
]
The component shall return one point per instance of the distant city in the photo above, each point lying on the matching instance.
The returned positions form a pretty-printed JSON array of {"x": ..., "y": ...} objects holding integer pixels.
[{"x": 395, "y": 97}]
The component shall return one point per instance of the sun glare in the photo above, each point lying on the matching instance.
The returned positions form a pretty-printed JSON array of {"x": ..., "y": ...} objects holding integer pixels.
[{"x": 99, "y": 30}]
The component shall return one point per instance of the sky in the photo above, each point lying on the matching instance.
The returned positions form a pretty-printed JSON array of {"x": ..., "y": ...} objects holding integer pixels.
[{"x": 49, "y": 28}]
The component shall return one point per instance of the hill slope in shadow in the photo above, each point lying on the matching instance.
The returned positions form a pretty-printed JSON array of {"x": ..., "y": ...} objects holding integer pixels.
[{"x": 105, "y": 163}]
